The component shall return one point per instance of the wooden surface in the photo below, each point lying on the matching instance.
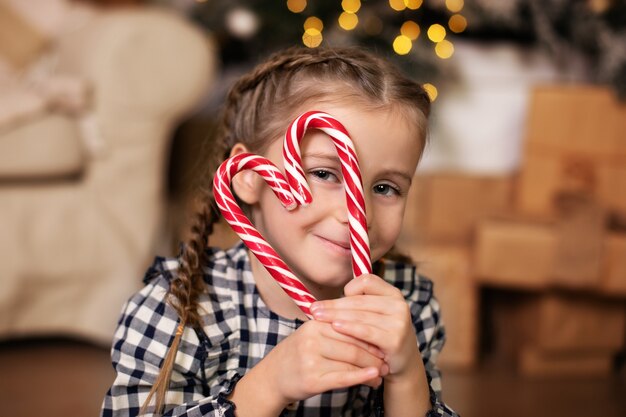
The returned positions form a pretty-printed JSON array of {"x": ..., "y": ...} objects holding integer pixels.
[{"x": 65, "y": 378}]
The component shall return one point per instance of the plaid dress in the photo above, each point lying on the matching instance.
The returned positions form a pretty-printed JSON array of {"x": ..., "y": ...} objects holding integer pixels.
[{"x": 239, "y": 330}]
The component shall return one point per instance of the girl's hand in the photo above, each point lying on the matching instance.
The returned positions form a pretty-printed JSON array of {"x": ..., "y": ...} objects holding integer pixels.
[
  {"x": 316, "y": 358},
  {"x": 376, "y": 313}
]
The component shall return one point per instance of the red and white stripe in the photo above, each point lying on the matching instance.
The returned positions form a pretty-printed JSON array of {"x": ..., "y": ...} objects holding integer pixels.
[
  {"x": 247, "y": 232},
  {"x": 292, "y": 192},
  {"x": 359, "y": 241}
]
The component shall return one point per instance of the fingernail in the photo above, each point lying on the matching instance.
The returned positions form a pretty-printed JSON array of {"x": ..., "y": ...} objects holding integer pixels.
[
  {"x": 318, "y": 313},
  {"x": 384, "y": 370},
  {"x": 338, "y": 324}
]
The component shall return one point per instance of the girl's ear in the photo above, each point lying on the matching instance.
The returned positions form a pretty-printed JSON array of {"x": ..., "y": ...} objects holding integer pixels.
[{"x": 246, "y": 184}]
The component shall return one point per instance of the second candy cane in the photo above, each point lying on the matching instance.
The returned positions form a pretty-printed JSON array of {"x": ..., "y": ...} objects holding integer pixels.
[
  {"x": 296, "y": 193},
  {"x": 359, "y": 241}
]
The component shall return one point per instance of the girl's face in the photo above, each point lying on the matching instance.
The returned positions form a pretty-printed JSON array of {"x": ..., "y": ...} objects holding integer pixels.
[{"x": 315, "y": 240}]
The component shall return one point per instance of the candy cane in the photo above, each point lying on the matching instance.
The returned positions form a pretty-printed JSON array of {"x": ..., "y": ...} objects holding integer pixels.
[
  {"x": 247, "y": 232},
  {"x": 292, "y": 192},
  {"x": 359, "y": 241}
]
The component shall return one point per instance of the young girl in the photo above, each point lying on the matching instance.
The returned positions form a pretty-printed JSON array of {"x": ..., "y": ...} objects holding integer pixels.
[{"x": 212, "y": 334}]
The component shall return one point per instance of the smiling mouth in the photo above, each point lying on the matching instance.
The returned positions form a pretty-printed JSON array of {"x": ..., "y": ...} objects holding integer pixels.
[{"x": 341, "y": 248}]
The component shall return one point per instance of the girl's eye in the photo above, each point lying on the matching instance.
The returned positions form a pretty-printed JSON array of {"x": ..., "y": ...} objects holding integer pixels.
[
  {"x": 324, "y": 175},
  {"x": 386, "y": 190}
]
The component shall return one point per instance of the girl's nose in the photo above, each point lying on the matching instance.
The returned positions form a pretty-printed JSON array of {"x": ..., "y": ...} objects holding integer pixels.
[{"x": 340, "y": 209}]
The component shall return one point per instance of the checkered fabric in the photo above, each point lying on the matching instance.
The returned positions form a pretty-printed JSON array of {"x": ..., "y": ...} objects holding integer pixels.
[{"x": 239, "y": 331}]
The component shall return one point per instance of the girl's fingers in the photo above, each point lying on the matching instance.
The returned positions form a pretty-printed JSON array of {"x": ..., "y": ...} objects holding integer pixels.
[
  {"x": 350, "y": 354},
  {"x": 374, "y": 303},
  {"x": 362, "y": 331},
  {"x": 349, "y": 377},
  {"x": 370, "y": 284},
  {"x": 330, "y": 333},
  {"x": 330, "y": 315}
]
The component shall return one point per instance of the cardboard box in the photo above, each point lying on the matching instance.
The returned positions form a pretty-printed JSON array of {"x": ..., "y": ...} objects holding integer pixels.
[
  {"x": 515, "y": 254},
  {"x": 612, "y": 184},
  {"x": 559, "y": 322},
  {"x": 574, "y": 141},
  {"x": 450, "y": 270},
  {"x": 583, "y": 119},
  {"x": 445, "y": 208},
  {"x": 613, "y": 280},
  {"x": 580, "y": 230}
]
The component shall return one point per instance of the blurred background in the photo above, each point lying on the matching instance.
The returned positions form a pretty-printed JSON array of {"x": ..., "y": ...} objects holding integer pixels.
[{"x": 518, "y": 213}]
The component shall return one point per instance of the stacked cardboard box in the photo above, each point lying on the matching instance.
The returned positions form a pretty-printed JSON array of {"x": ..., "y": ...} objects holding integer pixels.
[
  {"x": 575, "y": 142},
  {"x": 559, "y": 242},
  {"x": 448, "y": 266},
  {"x": 571, "y": 333},
  {"x": 440, "y": 221}
]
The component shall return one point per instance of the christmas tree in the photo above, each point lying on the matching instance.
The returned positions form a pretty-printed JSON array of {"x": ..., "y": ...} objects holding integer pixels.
[{"x": 419, "y": 34}]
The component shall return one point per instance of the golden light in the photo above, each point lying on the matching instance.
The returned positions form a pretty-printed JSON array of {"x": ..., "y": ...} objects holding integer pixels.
[
  {"x": 454, "y": 6},
  {"x": 436, "y": 33},
  {"x": 444, "y": 49},
  {"x": 313, "y": 22},
  {"x": 402, "y": 45},
  {"x": 457, "y": 23},
  {"x": 348, "y": 21},
  {"x": 397, "y": 5},
  {"x": 431, "y": 90},
  {"x": 296, "y": 6},
  {"x": 410, "y": 29},
  {"x": 351, "y": 6},
  {"x": 413, "y": 4},
  {"x": 312, "y": 38}
]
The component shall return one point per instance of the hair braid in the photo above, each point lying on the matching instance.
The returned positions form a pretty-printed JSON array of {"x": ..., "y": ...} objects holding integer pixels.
[{"x": 185, "y": 289}]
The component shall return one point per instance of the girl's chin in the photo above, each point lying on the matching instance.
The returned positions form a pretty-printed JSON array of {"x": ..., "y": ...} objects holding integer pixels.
[{"x": 325, "y": 289}]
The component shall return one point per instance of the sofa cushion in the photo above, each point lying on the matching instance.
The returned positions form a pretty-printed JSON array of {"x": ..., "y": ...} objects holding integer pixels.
[{"x": 46, "y": 147}]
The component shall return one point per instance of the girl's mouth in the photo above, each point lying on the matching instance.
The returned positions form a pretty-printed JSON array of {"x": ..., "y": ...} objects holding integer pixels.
[{"x": 341, "y": 248}]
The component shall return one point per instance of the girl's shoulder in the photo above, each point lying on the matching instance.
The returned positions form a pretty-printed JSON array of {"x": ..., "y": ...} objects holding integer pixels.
[
  {"x": 218, "y": 261},
  {"x": 222, "y": 271},
  {"x": 150, "y": 309}
]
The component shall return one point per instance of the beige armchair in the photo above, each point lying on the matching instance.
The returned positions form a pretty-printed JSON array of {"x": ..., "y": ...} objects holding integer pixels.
[{"x": 82, "y": 196}]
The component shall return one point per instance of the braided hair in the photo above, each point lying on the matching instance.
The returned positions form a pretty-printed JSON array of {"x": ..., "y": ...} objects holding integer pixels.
[{"x": 257, "y": 110}]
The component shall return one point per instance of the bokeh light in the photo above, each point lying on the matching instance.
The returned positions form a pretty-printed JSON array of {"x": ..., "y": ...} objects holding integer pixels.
[
  {"x": 312, "y": 38},
  {"x": 402, "y": 45},
  {"x": 410, "y": 29},
  {"x": 313, "y": 22},
  {"x": 348, "y": 21},
  {"x": 413, "y": 4},
  {"x": 397, "y": 5},
  {"x": 296, "y": 6},
  {"x": 444, "y": 49},
  {"x": 454, "y": 6},
  {"x": 457, "y": 23},
  {"x": 431, "y": 90},
  {"x": 351, "y": 6},
  {"x": 436, "y": 33}
]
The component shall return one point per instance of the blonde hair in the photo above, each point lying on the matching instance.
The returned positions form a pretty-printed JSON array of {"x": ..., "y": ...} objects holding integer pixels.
[{"x": 257, "y": 110}]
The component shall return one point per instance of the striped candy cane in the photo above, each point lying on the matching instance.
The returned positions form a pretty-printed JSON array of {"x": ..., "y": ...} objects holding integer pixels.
[
  {"x": 295, "y": 191},
  {"x": 247, "y": 232},
  {"x": 359, "y": 241}
]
